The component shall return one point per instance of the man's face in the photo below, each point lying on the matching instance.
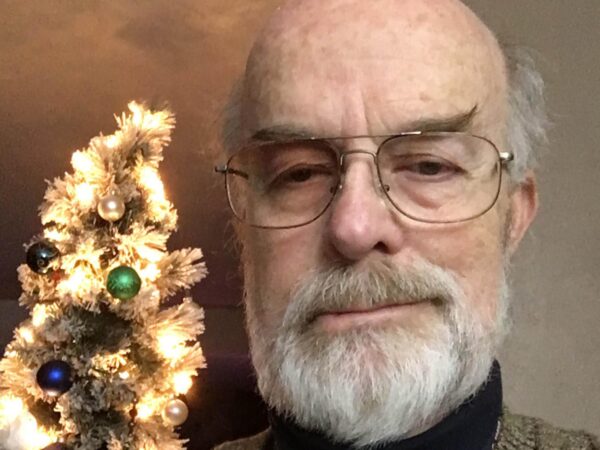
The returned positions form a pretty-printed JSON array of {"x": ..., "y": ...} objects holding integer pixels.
[{"x": 374, "y": 69}]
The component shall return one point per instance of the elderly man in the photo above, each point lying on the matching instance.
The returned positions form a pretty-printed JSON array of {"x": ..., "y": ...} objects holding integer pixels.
[{"x": 380, "y": 159}]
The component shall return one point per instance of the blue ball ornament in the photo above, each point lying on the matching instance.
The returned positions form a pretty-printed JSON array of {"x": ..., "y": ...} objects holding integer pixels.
[{"x": 54, "y": 377}]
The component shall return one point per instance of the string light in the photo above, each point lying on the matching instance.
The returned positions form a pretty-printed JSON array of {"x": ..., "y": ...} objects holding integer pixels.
[
  {"x": 153, "y": 255},
  {"x": 26, "y": 333},
  {"x": 85, "y": 194},
  {"x": 10, "y": 407},
  {"x": 151, "y": 272},
  {"x": 79, "y": 282},
  {"x": 111, "y": 141},
  {"x": 39, "y": 315},
  {"x": 147, "y": 406},
  {"x": 82, "y": 162},
  {"x": 22, "y": 426},
  {"x": 182, "y": 382},
  {"x": 171, "y": 344},
  {"x": 54, "y": 235},
  {"x": 151, "y": 180}
]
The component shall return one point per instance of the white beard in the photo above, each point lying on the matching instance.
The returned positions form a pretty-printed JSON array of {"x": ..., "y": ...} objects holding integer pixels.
[{"x": 373, "y": 384}]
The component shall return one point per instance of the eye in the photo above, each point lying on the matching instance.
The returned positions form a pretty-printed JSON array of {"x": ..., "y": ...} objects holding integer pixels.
[
  {"x": 300, "y": 175},
  {"x": 426, "y": 166},
  {"x": 304, "y": 175}
]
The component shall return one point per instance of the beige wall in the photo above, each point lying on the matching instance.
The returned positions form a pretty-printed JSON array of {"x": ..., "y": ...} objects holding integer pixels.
[
  {"x": 66, "y": 66},
  {"x": 552, "y": 362}
]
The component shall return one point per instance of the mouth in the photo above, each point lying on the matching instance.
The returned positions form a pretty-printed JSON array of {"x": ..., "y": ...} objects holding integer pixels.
[{"x": 336, "y": 321}]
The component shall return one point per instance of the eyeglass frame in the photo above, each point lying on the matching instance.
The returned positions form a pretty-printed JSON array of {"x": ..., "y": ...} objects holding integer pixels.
[{"x": 504, "y": 158}]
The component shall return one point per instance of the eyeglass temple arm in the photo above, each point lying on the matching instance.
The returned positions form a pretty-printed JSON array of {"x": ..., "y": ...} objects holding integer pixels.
[
  {"x": 224, "y": 169},
  {"x": 506, "y": 157}
]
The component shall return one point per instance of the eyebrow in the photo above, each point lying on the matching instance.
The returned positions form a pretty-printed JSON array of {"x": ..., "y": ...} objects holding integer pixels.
[{"x": 456, "y": 123}]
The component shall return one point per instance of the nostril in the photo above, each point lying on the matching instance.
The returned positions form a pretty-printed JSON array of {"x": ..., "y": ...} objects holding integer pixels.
[{"x": 380, "y": 246}]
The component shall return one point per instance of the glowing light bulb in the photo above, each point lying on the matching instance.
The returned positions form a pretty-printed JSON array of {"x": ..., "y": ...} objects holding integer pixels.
[
  {"x": 137, "y": 116},
  {"x": 10, "y": 407},
  {"x": 39, "y": 315},
  {"x": 26, "y": 334},
  {"x": 111, "y": 141},
  {"x": 171, "y": 345},
  {"x": 55, "y": 235},
  {"x": 153, "y": 255},
  {"x": 84, "y": 194},
  {"x": 151, "y": 272},
  {"x": 147, "y": 407},
  {"x": 78, "y": 282},
  {"x": 82, "y": 162},
  {"x": 150, "y": 179},
  {"x": 182, "y": 382}
]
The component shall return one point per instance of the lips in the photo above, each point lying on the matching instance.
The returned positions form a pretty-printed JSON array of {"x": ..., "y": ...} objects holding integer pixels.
[
  {"x": 355, "y": 317},
  {"x": 369, "y": 310}
]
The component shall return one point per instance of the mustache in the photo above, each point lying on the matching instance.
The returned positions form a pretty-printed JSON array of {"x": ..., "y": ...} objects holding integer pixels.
[{"x": 378, "y": 284}]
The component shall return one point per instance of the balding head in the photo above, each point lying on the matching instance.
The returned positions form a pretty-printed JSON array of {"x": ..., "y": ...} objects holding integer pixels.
[
  {"x": 315, "y": 31},
  {"x": 348, "y": 67}
]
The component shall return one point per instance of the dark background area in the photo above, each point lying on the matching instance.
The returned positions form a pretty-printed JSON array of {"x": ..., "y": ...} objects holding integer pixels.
[{"x": 66, "y": 66}]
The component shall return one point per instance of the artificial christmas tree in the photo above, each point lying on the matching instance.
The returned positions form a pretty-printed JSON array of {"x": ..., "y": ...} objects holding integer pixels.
[{"x": 102, "y": 362}]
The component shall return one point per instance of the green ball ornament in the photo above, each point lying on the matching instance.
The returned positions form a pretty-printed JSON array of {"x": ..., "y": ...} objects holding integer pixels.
[{"x": 123, "y": 283}]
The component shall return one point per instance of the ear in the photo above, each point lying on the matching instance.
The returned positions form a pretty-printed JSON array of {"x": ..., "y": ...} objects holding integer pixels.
[{"x": 523, "y": 206}]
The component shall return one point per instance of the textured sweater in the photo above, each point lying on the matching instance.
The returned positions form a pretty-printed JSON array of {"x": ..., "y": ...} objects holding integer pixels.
[{"x": 517, "y": 433}]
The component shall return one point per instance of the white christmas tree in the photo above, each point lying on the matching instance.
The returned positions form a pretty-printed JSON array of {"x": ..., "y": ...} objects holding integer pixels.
[{"x": 102, "y": 362}]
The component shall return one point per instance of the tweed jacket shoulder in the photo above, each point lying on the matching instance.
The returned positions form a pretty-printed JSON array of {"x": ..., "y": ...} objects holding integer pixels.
[{"x": 517, "y": 433}]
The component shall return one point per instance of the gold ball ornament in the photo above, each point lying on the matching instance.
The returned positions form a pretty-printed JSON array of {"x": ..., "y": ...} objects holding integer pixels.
[
  {"x": 111, "y": 208},
  {"x": 176, "y": 412}
]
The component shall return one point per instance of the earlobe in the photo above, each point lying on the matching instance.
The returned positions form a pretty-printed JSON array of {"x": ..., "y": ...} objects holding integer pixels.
[{"x": 523, "y": 209}]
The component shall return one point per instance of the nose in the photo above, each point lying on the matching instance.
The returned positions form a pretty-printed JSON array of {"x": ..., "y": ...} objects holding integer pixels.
[{"x": 361, "y": 220}]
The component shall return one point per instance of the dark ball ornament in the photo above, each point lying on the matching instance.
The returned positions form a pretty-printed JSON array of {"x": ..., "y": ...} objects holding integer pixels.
[
  {"x": 123, "y": 283},
  {"x": 56, "y": 446},
  {"x": 42, "y": 257},
  {"x": 54, "y": 377}
]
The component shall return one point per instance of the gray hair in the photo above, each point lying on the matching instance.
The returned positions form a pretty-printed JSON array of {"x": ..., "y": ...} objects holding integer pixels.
[{"x": 527, "y": 124}]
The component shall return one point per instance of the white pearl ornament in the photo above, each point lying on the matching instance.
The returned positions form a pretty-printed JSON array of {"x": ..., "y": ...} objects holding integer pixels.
[
  {"x": 176, "y": 412},
  {"x": 111, "y": 208}
]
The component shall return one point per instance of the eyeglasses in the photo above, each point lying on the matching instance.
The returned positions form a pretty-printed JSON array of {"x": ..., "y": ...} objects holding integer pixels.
[{"x": 433, "y": 177}]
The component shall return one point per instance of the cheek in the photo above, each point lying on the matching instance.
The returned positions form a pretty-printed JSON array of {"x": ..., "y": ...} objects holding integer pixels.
[
  {"x": 475, "y": 253},
  {"x": 274, "y": 261}
]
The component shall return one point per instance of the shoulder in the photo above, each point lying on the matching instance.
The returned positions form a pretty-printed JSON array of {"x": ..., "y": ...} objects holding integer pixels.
[
  {"x": 522, "y": 432},
  {"x": 256, "y": 442}
]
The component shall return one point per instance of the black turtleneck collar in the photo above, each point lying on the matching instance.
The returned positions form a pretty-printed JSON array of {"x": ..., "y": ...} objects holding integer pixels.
[{"x": 472, "y": 426}]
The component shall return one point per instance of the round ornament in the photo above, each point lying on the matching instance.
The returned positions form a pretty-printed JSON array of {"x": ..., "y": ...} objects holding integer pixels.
[
  {"x": 111, "y": 208},
  {"x": 41, "y": 257},
  {"x": 54, "y": 377},
  {"x": 176, "y": 412},
  {"x": 56, "y": 446},
  {"x": 123, "y": 283}
]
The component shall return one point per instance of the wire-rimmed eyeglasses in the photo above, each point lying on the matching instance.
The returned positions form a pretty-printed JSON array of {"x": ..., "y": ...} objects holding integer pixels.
[{"x": 433, "y": 177}]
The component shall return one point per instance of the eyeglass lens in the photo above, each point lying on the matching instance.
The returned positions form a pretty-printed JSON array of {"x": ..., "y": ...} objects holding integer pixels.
[{"x": 435, "y": 177}]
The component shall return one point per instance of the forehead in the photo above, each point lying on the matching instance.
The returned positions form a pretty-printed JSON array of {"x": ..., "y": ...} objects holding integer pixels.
[{"x": 348, "y": 68}]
